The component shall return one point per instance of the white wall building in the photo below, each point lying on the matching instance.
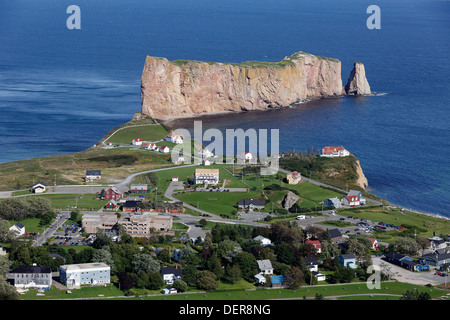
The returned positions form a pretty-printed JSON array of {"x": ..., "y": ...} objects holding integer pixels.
[{"x": 75, "y": 275}]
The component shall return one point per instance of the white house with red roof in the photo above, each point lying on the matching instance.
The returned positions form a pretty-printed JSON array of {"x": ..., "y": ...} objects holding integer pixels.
[
  {"x": 174, "y": 138},
  {"x": 350, "y": 201},
  {"x": 316, "y": 244},
  {"x": 374, "y": 244},
  {"x": 164, "y": 149},
  {"x": 136, "y": 142},
  {"x": 332, "y": 152}
]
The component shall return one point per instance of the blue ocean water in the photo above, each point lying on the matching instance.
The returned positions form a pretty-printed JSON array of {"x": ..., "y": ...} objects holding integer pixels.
[{"x": 61, "y": 90}]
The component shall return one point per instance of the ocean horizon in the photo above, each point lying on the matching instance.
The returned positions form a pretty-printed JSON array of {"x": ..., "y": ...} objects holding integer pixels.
[{"x": 62, "y": 90}]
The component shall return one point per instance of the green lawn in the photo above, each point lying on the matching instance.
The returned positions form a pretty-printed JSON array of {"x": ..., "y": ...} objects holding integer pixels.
[
  {"x": 146, "y": 133},
  {"x": 81, "y": 201},
  {"x": 216, "y": 202},
  {"x": 85, "y": 292},
  {"x": 31, "y": 225}
]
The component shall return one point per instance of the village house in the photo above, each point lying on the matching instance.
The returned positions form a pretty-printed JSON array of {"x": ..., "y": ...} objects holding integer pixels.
[
  {"x": 164, "y": 149},
  {"x": 319, "y": 276},
  {"x": 244, "y": 157},
  {"x": 93, "y": 175},
  {"x": 350, "y": 201},
  {"x": 438, "y": 258},
  {"x": 348, "y": 260},
  {"x": 138, "y": 189},
  {"x": 205, "y": 153},
  {"x": 264, "y": 241},
  {"x": 251, "y": 204},
  {"x": 332, "y": 202},
  {"x": 75, "y": 275},
  {"x": 169, "y": 290},
  {"x": 260, "y": 279},
  {"x": 112, "y": 193},
  {"x": 174, "y": 138},
  {"x": 136, "y": 142},
  {"x": 3, "y": 251},
  {"x": 405, "y": 261},
  {"x": 111, "y": 205},
  {"x": 332, "y": 152},
  {"x": 374, "y": 244},
  {"x": 265, "y": 267},
  {"x": 335, "y": 235},
  {"x": 18, "y": 229},
  {"x": 130, "y": 206},
  {"x": 174, "y": 178},
  {"x": 206, "y": 176},
  {"x": 313, "y": 263},
  {"x": 316, "y": 244},
  {"x": 39, "y": 188},
  {"x": 294, "y": 178},
  {"x": 171, "y": 273},
  {"x": 31, "y": 277},
  {"x": 362, "y": 200}
]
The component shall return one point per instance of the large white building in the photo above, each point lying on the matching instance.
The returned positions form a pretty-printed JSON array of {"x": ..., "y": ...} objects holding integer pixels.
[
  {"x": 206, "y": 176},
  {"x": 75, "y": 275},
  {"x": 332, "y": 152}
]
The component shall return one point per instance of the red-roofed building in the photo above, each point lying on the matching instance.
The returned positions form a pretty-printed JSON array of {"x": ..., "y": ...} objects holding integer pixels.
[
  {"x": 374, "y": 244},
  {"x": 137, "y": 142},
  {"x": 350, "y": 201},
  {"x": 331, "y": 151},
  {"x": 113, "y": 193},
  {"x": 316, "y": 244}
]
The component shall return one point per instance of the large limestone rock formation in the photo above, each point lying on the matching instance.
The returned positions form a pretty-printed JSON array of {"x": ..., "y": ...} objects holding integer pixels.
[
  {"x": 357, "y": 83},
  {"x": 289, "y": 200},
  {"x": 181, "y": 88}
]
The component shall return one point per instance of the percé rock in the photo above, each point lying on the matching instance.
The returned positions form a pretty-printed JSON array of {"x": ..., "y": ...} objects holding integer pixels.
[
  {"x": 357, "y": 83},
  {"x": 182, "y": 88}
]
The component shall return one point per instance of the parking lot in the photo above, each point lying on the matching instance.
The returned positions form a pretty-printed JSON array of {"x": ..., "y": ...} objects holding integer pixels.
[{"x": 69, "y": 235}]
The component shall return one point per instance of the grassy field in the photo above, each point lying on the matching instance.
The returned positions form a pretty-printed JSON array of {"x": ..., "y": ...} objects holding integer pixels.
[
  {"x": 242, "y": 290},
  {"x": 146, "y": 133},
  {"x": 31, "y": 225},
  {"x": 423, "y": 224},
  {"x": 71, "y": 201}
]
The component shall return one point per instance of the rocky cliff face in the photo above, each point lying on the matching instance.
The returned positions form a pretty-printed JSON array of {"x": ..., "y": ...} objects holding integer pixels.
[
  {"x": 357, "y": 83},
  {"x": 362, "y": 180},
  {"x": 173, "y": 89}
]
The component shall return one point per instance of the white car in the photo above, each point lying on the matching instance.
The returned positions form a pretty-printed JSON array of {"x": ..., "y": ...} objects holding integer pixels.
[{"x": 302, "y": 217}]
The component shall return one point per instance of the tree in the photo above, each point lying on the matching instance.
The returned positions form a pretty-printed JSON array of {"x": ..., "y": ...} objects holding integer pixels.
[
  {"x": 294, "y": 278},
  {"x": 189, "y": 275},
  {"x": 203, "y": 222},
  {"x": 125, "y": 281},
  {"x": 247, "y": 264},
  {"x": 5, "y": 264},
  {"x": 415, "y": 295},
  {"x": 232, "y": 273},
  {"x": 74, "y": 215},
  {"x": 145, "y": 262},
  {"x": 215, "y": 266},
  {"x": 5, "y": 234},
  {"x": 155, "y": 282},
  {"x": 7, "y": 291},
  {"x": 47, "y": 218},
  {"x": 104, "y": 255},
  {"x": 180, "y": 285},
  {"x": 406, "y": 245},
  {"x": 206, "y": 280}
]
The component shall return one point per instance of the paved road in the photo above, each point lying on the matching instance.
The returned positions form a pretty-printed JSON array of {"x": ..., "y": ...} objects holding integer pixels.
[{"x": 60, "y": 219}]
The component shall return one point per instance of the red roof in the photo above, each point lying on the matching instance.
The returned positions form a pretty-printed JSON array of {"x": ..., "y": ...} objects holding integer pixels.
[
  {"x": 315, "y": 243},
  {"x": 137, "y": 139},
  {"x": 352, "y": 198},
  {"x": 332, "y": 149}
]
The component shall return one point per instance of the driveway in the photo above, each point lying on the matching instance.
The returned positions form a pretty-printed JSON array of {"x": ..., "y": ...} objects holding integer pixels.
[{"x": 404, "y": 275}]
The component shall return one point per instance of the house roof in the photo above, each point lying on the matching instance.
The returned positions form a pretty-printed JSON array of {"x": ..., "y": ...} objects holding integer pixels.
[
  {"x": 39, "y": 184},
  {"x": 260, "y": 238},
  {"x": 334, "y": 233},
  {"x": 354, "y": 193},
  {"x": 278, "y": 279},
  {"x": 264, "y": 264},
  {"x": 312, "y": 260},
  {"x": 352, "y": 198},
  {"x": 394, "y": 255},
  {"x": 93, "y": 172},
  {"x": 255, "y": 202},
  {"x": 32, "y": 269},
  {"x": 315, "y": 243},
  {"x": 176, "y": 270},
  {"x": 331, "y": 149},
  {"x": 348, "y": 256}
]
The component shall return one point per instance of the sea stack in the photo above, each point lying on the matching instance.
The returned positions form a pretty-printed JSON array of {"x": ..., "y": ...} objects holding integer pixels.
[
  {"x": 357, "y": 83},
  {"x": 186, "y": 88}
]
